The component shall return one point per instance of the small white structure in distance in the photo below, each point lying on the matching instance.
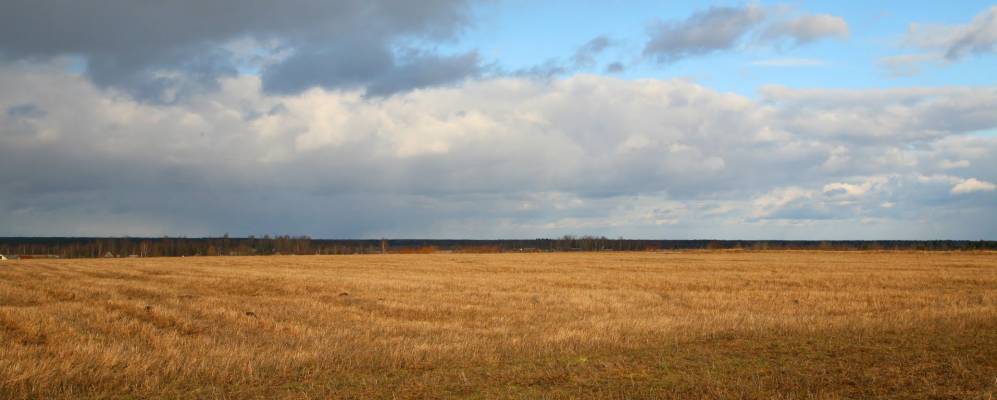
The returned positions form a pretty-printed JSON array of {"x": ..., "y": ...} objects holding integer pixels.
[{"x": 2, "y": 257}]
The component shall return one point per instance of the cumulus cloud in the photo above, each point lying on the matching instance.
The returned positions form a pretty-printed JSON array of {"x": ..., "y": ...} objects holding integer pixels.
[
  {"x": 376, "y": 70},
  {"x": 859, "y": 196},
  {"x": 843, "y": 189},
  {"x": 973, "y": 185},
  {"x": 778, "y": 200},
  {"x": 884, "y": 115},
  {"x": 157, "y": 51},
  {"x": 489, "y": 157},
  {"x": 950, "y": 164},
  {"x": 723, "y": 28}
]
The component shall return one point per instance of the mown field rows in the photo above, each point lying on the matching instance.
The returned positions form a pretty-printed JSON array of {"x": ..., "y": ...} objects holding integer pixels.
[{"x": 788, "y": 324}]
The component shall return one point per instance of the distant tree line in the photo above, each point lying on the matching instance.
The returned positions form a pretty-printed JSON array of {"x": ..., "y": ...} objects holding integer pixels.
[
  {"x": 273, "y": 245},
  {"x": 169, "y": 247}
]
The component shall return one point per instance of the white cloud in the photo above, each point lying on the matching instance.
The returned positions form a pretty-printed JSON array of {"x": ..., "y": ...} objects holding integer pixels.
[
  {"x": 939, "y": 178},
  {"x": 889, "y": 115},
  {"x": 847, "y": 189},
  {"x": 972, "y": 185},
  {"x": 487, "y": 158},
  {"x": 770, "y": 203},
  {"x": 950, "y": 164}
]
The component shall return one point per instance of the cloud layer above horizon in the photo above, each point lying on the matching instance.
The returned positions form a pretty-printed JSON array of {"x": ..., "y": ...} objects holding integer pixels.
[{"x": 365, "y": 119}]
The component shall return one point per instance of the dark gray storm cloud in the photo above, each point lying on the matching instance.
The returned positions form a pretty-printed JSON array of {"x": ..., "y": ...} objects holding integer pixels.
[{"x": 137, "y": 44}]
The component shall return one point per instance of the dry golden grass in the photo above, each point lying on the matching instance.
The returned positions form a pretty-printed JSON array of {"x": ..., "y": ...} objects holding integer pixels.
[{"x": 823, "y": 325}]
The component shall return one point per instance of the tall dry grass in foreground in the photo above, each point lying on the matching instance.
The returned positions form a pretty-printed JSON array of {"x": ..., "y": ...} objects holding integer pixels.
[{"x": 608, "y": 325}]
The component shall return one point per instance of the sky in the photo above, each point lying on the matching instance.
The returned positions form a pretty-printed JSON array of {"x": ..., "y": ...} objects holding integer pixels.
[{"x": 499, "y": 119}]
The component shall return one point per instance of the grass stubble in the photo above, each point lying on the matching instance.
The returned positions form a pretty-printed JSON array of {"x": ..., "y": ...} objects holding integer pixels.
[{"x": 776, "y": 325}]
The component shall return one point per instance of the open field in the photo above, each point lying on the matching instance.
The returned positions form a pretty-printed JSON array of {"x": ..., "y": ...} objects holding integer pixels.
[{"x": 823, "y": 325}]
